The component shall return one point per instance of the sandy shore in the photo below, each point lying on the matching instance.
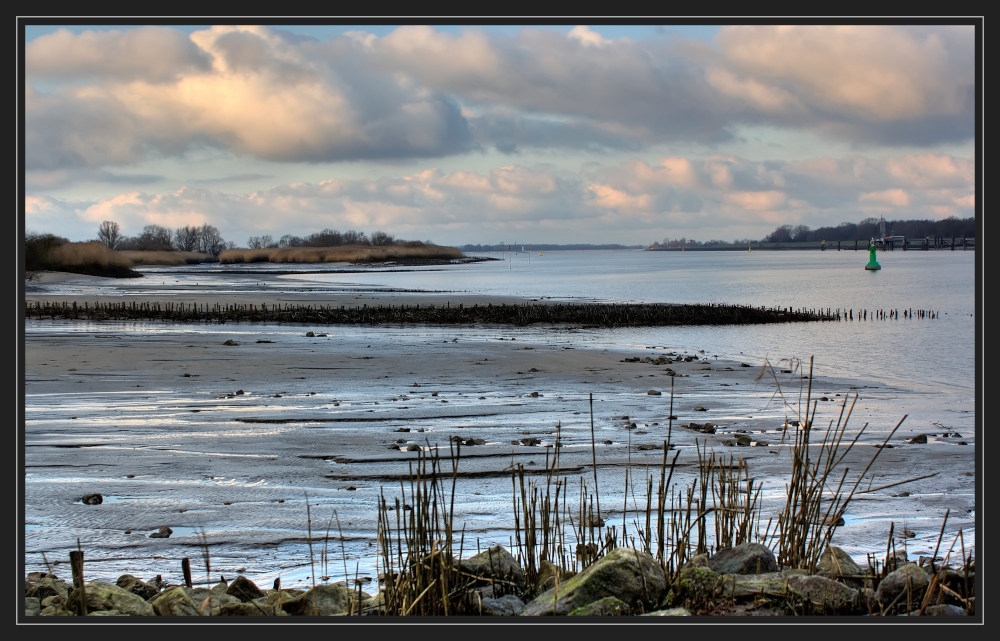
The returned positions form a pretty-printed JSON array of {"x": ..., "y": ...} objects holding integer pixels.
[{"x": 175, "y": 427}]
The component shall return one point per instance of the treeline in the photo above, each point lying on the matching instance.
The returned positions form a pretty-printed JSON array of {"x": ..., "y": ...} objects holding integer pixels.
[
  {"x": 540, "y": 247},
  {"x": 205, "y": 239},
  {"x": 862, "y": 231},
  {"x": 871, "y": 228},
  {"x": 332, "y": 238}
]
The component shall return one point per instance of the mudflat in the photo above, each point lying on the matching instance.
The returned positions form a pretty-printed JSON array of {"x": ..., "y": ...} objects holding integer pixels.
[{"x": 247, "y": 439}]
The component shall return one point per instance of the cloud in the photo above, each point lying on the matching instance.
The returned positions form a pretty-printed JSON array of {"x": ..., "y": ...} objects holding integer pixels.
[
  {"x": 150, "y": 54},
  {"x": 856, "y": 82},
  {"x": 121, "y": 97}
]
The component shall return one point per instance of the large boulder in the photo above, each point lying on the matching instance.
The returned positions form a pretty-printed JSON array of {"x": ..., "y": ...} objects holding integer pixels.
[
  {"x": 609, "y": 606},
  {"x": 174, "y": 602},
  {"x": 323, "y": 600},
  {"x": 494, "y": 564},
  {"x": 837, "y": 564},
  {"x": 825, "y": 596},
  {"x": 244, "y": 589},
  {"x": 137, "y": 586},
  {"x": 101, "y": 595},
  {"x": 904, "y": 587},
  {"x": 632, "y": 576},
  {"x": 237, "y": 608},
  {"x": 695, "y": 587},
  {"x": 745, "y": 558},
  {"x": 506, "y": 605},
  {"x": 46, "y": 585}
]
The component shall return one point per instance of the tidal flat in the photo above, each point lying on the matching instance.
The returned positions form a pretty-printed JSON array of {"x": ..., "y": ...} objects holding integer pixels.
[{"x": 252, "y": 441}]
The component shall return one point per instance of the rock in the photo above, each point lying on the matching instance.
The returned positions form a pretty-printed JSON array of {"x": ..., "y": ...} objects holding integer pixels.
[
  {"x": 322, "y": 600},
  {"x": 547, "y": 575},
  {"x": 943, "y": 610},
  {"x": 694, "y": 588},
  {"x": 608, "y": 606},
  {"x": 244, "y": 589},
  {"x": 506, "y": 605},
  {"x": 174, "y": 602},
  {"x": 230, "y": 342},
  {"x": 699, "y": 408},
  {"x": 746, "y": 558},
  {"x": 826, "y": 596},
  {"x": 240, "y": 609},
  {"x": 32, "y": 606},
  {"x": 92, "y": 499},
  {"x": 743, "y": 440},
  {"x": 909, "y": 579},
  {"x": 101, "y": 595},
  {"x": 918, "y": 439},
  {"x": 632, "y": 576},
  {"x": 834, "y": 563},
  {"x": 43, "y": 585},
  {"x": 494, "y": 564},
  {"x": 163, "y": 533},
  {"x": 137, "y": 586},
  {"x": 654, "y": 392}
]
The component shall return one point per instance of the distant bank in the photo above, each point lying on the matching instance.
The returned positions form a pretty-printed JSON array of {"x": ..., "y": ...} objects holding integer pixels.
[{"x": 906, "y": 244}]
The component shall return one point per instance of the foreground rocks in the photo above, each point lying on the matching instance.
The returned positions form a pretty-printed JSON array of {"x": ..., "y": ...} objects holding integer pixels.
[{"x": 743, "y": 580}]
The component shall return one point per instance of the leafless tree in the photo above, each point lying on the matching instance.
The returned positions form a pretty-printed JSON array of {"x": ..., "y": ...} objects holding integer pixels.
[
  {"x": 381, "y": 238},
  {"x": 186, "y": 238},
  {"x": 210, "y": 241},
  {"x": 109, "y": 233}
]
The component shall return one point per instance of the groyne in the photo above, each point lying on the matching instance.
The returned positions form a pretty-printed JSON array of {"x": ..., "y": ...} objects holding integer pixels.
[{"x": 584, "y": 314}]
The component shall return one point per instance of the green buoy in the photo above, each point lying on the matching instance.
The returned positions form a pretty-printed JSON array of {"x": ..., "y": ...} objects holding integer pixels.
[{"x": 872, "y": 263}]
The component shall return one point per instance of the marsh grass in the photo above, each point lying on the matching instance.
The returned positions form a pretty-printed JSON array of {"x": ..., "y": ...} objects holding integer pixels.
[
  {"x": 136, "y": 257},
  {"x": 341, "y": 254},
  {"x": 91, "y": 257}
]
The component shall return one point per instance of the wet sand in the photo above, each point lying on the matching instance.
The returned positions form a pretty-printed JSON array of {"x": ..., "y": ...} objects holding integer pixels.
[{"x": 228, "y": 444}]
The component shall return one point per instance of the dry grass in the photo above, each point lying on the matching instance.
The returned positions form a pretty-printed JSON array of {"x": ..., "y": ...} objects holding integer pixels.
[
  {"x": 343, "y": 254},
  {"x": 89, "y": 253},
  {"x": 165, "y": 257}
]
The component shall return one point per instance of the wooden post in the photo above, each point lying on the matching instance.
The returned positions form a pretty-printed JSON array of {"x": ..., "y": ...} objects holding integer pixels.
[
  {"x": 186, "y": 567},
  {"x": 76, "y": 565}
]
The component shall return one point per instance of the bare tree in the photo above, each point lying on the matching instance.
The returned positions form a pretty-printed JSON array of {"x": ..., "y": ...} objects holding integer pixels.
[
  {"x": 381, "y": 238},
  {"x": 155, "y": 238},
  {"x": 210, "y": 241},
  {"x": 109, "y": 233},
  {"x": 186, "y": 238}
]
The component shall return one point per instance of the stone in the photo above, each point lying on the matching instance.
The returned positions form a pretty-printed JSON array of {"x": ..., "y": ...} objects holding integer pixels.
[
  {"x": 494, "y": 564},
  {"x": 835, "y": 563},
  {"x": 137, "y": 586},
  {"x": 506, "y": 605},
  {"x": 746, "y": 558},
  {"x": 322, "y": 600},
  {"x": 174, "y": 602},
  {"x": 632, "y": 576},
  {"x": 101, "y": 595},
  {"x": 244, "y": 589},
  {"x": 908, "y": 583},
  {"x": 608, "y": 606}
]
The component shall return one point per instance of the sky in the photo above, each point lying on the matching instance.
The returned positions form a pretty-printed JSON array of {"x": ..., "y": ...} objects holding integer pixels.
[{"x": 479, "y": 133}]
